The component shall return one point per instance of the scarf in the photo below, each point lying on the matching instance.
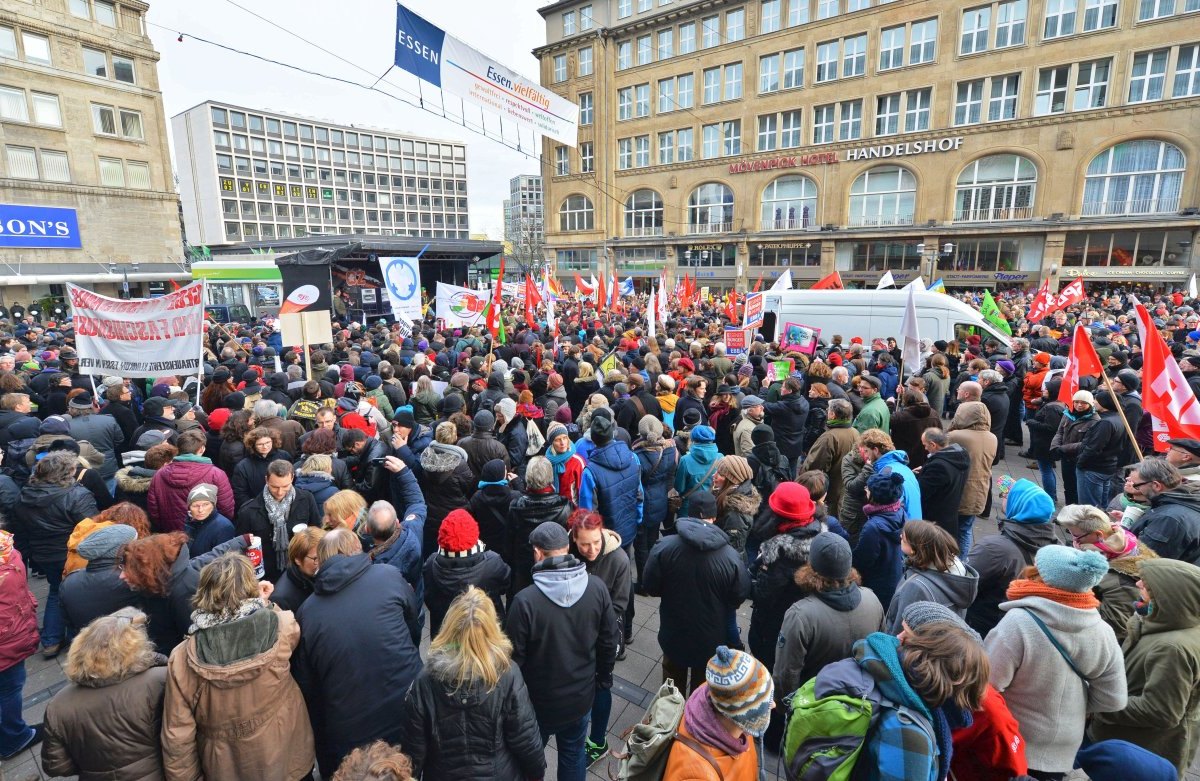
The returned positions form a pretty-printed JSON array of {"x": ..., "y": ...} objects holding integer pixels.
[
  {"x": 1021, "y": 588},
  {"x": 875, "y": 509},
  {"x": 486, "y": 483},
  {"x": 704, "y": 724},
  {"x": 559, "y": 461},
  {"x": 838, "y": 422},
  {"x": 277, "y": 513},
  {"x": 6, "y": 545},
  {"x": 1117, "y": 545},
  {"x": 667, "y": 401},
  {"x": 203, "y": 620}
]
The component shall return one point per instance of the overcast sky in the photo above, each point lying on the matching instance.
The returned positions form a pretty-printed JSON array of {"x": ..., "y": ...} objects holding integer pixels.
[{"x": 361, "y": 31}]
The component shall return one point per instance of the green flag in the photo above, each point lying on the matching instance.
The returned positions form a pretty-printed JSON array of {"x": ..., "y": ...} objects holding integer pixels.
[{"x": 991, "y": 313}]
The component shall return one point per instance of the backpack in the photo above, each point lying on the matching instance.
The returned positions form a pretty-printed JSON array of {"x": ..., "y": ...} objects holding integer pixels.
[
  {"x": 304, "y": 412},
  {"x": 537, "y": 441},
  {"x": 824, "y": 737},
  {"x": 14, "y": 459},
  {"x": 648, "y": 743}
]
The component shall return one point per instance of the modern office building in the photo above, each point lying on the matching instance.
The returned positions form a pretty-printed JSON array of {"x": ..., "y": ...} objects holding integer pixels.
[
  {"x": 248, "y": 175},
  {"x": 523, "y": 220},
  {"x": 988, "y": 144},
  {"x": 86, "y": 190}
]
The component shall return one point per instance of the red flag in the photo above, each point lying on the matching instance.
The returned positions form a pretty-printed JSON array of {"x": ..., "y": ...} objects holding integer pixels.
[
  {"x": 532, "y": 299},
  {"x": 1082, "y": 362},
  {"x": 494, "y": 312},
  {"x": 616, "y": 293},
  {"x": 1069, "y": 295},
  {"x": 1037, "y": 307},
  {"x": 831, "y": 282},
  {"x": 1166, "y": 394},
  {"x": 758, "y": 284},
  {"x": 731, "y": 306},
  {"x": 581, "y": 286},
  {"x": 601, "y": 295}
]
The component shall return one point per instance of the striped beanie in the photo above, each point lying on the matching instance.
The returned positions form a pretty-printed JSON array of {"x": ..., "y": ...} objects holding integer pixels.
[{"x": 741, "y": 689}]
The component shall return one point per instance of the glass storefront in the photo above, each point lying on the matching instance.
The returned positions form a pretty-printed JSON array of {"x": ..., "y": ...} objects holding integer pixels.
[
  {"x": 706, "y": 255},
  {"x": 878, "y": 255},
  {"x": 1128, "y": 248},
  {"x": 800, "y": 254}
]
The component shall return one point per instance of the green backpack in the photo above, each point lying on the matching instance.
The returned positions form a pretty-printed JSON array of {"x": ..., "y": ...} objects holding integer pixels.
[{"x": 823, "y": 737}]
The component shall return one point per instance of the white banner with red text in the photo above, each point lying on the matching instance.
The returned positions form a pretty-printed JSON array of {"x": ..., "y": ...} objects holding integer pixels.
[{"x": 141, "y": 337}]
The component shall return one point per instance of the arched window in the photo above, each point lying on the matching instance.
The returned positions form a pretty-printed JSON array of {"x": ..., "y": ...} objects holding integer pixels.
[
  {"x": 789, "y": 202},
  {"x": 710, "y": 209},
  {"x": 884, "y": 195},
  {"x": 576, "y": 214},
  {"x": 998, "y": 187},
  {"x": 1134, "y": 177},
  {"x": 644, "y": 214}
]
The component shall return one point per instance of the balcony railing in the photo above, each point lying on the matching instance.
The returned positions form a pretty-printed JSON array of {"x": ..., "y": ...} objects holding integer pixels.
[
  {"x": 710, "y": 227},
  {"x": 645, "y": 230},
  {"x": 1131, "y": 206},
  {"x": 880, "y": 220},
  {"x": 786, "y": 225},
  {"x": 995, "y": 215}
]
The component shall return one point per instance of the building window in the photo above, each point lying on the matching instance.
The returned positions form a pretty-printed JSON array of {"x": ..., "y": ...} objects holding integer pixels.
[
  {"x": 666, "y": 43},
  {"x": 644, "y": 214},
  {"x": 37, "y": 48},
  {"x": 916, "y": 110},
  {"x": 1003, "y": 101},
  {"x": 1155, "y": 9},
  {"x": 823, "y": 123},
  {"x": 624, "y": 103},
  {"x": 106, "y": 13},
  {"x": 768, "y": 131},
  {"x": 8, "y": 42},
  {"x": 587, "y": 157},
  {"x": 585, "y": 61},
  {"x": 1051, "y": 97},
  {"x": 731, "y": 133},
  {"x": 123, "y": 69},
  {"x": 22, "y": 162},
  {"x": 768, "y": 73},
  {"x": 131, "y": 125},
  {"x": 793, "y": 69},
  {"x": 1134, "y": 177},
  {"x": 1091, "y": 85},
  {"x": 641, "y": 100},
  {"x": 585, "y": 108},
  {"x": 624, "y": 55},
  {"x": 576, "y": 214},
  {"x": 850, "y": 121},
  {"x": 112, "y": 172},
  {"x": 666, "y": 95},
  {"x": 645, "y": 5},
  {"x": 827, "y": 9},
  {"x": 789, "y": 129},
  {"x": 710, "y": 209},
  {"x": 687, "y": 38},
  {"x": 1102, "y": 14},
  {"x": 710, "y": 32},
  {"x": 891, "y": 47},
  {"x": 55, "y": 167},
  {"x": 1149, "y": 76},
  {"x": 922, "y": 41},
  {"x": 562, "y": 161},
  {"x": 645, "y": 50},
  {"x": 735, "y": 25},
  {"x": 827, "y": 60},
  {"x": 887, "y": 114},
  {"x": 685, "y": 145},
  {"x": 999, "y": 187},
  {"x": 797, "y": 12},
  {"x": 641, "y": 151},
  {"x": 104, "y": 120},
  {"x": 733, "y": 81},
  {"x": 139, "y": 175},
  {"x": 1187, "y": 71},
  {"x": 624, "y": 154},
  {"x": 666, "y": 147},
  {"x": 1060, "y": 18},
  {"x": 624, "y": 8},
  {"x": 585, "y": 18},
  {"x": 568, "y": 22},
  {"x": 560, "y": 67},
  {"x": 854, "y": 56},
  {"x": 710, "y": 142},
  {"x": 95, "y": 63},
  {"x": 712, "y": 85},
  {"x": 975, "y": 24},
  {"x": 884, "y": 195},
  {"x": 769, "y": 17},
  {"x": 685, "y": 89},
  {"x": 789, "y": 203},
  {"x": 968, "y": 102},
  {"x": 79, "y": 8},
  {"x": 12, "y": 105}
]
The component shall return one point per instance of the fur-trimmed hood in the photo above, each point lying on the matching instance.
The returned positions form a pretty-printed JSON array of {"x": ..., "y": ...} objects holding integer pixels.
[
  {"x": 1130, "y": 565},
  {"x": 792, "y": 545},
  {"x": 134, "y": 479},
  {"x": 744, "y": 499},
  {"x": 442, "y": 458},
  {"x": 140, "y": 666}
]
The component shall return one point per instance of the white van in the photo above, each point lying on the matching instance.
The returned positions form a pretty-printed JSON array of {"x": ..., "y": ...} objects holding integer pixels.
[{"x": 871, "y": 314}]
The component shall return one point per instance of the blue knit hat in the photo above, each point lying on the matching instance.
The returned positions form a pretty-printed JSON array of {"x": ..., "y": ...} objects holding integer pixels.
[
  {"x": 704, "y": 434},
  {"x": 740, "y": 688},
  {"x": 1028, "y": 504},
  {"x": 1071, "y": 569},
  {"x": 886, "y": 487}
]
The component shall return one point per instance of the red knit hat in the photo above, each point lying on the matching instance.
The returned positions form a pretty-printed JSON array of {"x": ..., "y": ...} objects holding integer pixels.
[
  {"x": 458, "y": 533},
  {"x": 792, "y": 502}
]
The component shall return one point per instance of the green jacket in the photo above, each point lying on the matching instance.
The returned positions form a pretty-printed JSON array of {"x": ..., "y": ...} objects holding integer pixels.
[
  {"x": 1162, "y": 668},
  {"x": 874, "y": 414}
]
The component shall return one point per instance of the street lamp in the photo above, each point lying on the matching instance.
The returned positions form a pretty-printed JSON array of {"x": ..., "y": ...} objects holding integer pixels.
[{"x": 932, "y": 258}]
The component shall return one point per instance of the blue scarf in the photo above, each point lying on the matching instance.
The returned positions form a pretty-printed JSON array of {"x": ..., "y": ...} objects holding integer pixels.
[
  {"x": 559, "y": 460},
  {"x": 486, "y": 483}
]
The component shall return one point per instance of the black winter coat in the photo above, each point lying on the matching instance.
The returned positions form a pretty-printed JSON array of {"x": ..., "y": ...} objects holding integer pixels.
[
  {"x": 171, "y": 615},
  {"x": 471, "y": 732},
  {"x": 44, "y": 518},
  {"x": 701, "y": 580},
  {"x": 996, "y": 398},
  {"x": 774, "y": 589},
  {"x": 908, "y": 423},
  {"x": 359, "y": 634},
  {"x": 814, "y": 427},
  {"x": 1103, "y": 445},
  {"x": 126, "y": 418},
  {"x": 94, "y": 591},
  {"x": 292, "y": 588},
  {"x": 250, "y": 475},
  {"x": 447, "y": 483},
  {"x": 252, "y": 519},
  {"x": 489, "y": 507},
  {"x": 999, "y": 560},
  {"x": 1171, "y": 527},
  {"x": 448, "y": 576},
  {"x": 482, "y": 447},
  {"x": 789, "y": 418},
  {"x": 525, "y": 513},
  {"x": 1042, "y": 428},
  {"x": 688, "y": 401},
  {"x": 942, "y": 481}
]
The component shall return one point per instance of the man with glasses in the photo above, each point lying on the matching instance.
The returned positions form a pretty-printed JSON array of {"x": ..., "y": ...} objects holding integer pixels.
[
  {"x": 1184, "y": 455},
  {"x": 1171, "y": 527}
]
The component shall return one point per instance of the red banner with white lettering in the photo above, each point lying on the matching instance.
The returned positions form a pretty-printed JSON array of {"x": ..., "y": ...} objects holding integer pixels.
[
  {"x": 1069, "y": 296},
  {"x": 1166, "y": 394},
  {"x": 141, "y": 337}
]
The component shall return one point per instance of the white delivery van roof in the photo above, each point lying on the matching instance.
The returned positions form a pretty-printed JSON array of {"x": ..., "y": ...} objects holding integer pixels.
[{"x": 874, "y": 313}]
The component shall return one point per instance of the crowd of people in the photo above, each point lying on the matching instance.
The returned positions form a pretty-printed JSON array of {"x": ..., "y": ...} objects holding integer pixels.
[{"x": 241, "y": 569}]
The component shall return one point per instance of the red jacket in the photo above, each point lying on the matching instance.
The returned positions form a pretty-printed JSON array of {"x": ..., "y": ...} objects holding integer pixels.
[
  {"x": 18, "y": 613},
  {"x": 166, "y": 501},
  {"x": 991, "y": 749}
]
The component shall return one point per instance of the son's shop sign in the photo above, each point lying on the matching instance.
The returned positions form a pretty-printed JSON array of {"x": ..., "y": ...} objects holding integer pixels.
[{"x": 42, "y": 227}]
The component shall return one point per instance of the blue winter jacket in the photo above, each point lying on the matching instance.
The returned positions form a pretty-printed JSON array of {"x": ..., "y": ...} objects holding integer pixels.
[
  {"x": 405, "y": 555},
  {"x": 658, "y": 475},
  {"x": 897, "y": 460},
  {"x": 612, "y": 486},
  {"x": 204, "y": 536},
  {"x": 889, "y": 377},
  {"x": 877, "y": 556}
]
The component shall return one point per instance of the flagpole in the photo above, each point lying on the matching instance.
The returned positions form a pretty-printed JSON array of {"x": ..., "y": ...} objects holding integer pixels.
[{"x": 1121, "y": 412}]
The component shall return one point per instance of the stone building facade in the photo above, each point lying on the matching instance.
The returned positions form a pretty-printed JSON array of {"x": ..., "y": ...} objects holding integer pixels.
[{"x": 991, "y": 144}]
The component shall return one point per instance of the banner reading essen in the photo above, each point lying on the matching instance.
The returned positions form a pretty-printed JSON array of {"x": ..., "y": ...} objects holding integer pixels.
[
  {"x": 143, "y": 337},
  {"x": 455, "y": 68}
]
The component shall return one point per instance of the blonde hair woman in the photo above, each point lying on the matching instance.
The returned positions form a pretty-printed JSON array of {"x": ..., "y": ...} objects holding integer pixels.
[
  {"x": 233, "y": 670},
  {"x": 115, "y": 677},
  {"x": 345, "y": 509},
  {"x": 471, "y": 687}
]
